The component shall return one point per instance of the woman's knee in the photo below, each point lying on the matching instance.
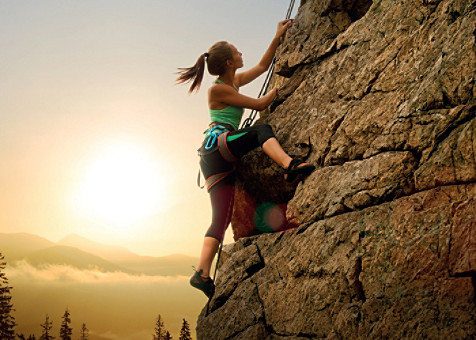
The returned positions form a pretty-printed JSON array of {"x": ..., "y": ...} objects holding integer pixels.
[
  {"x": 217, "y": 237},
  {"x": 215, "y": 233},
  {"x": 265, "y": 132}
]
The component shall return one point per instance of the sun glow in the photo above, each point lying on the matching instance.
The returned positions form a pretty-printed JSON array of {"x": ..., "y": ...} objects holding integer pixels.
[{"x": 122, "y": 185}]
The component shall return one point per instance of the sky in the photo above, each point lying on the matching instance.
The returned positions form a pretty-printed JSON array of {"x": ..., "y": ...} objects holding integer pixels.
[{"x": 95, "y": 137}]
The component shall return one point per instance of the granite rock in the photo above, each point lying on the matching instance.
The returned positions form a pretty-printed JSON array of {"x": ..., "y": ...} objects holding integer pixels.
[
  {"x": 379, "y": 241},
  {"x": 395, "y": 270}
]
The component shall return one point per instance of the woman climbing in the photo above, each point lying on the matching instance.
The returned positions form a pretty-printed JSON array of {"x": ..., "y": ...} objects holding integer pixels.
[{"x": 225, "y": 144}]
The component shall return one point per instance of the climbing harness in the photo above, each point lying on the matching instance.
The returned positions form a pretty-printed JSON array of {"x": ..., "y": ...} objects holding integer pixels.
[
  {"x": 249, "y": 121},
  {"x": 224, "y": 150},
  {"x": 217, "y": 140}
]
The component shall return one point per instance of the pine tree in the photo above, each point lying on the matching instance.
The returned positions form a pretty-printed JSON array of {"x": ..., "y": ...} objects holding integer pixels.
[
  {"x": 66, "y": 331},
  {"x": 46, "y": 328},
  {"x": 167, "y": 336},
  {"x": 84, "y": 333},
  {"x": 185, "y": 331},
  {"x": 7, "y": 321},
  {"x": 159, "y": 332}
]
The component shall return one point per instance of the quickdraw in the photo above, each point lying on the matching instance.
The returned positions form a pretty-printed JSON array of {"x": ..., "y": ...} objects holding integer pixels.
[{"x": 213, "y": 134}]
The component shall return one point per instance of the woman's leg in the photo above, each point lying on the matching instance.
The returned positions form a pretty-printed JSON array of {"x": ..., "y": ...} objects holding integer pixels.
[
  {"x": 274, "y": 150},
  {"x": 221, "y": 197},
  {"x": 292, "y": 168},
  {"x": 242, "y": 141},
  {"x": 209, "y": 249}
]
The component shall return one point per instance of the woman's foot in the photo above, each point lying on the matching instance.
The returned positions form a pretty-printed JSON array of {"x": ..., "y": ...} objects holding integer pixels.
[
  {"x": 205, "y": 284},
  {"x": 297, "y": 167}
]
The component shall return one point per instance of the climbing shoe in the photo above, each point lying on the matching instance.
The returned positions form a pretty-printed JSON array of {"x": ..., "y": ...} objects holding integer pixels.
[
  {"x": 205, "y": 285},
  {"x": 297, "y": 167}
]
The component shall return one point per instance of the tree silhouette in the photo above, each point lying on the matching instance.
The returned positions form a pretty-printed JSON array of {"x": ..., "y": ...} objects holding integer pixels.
[
  {"x": 185, "y": 331},
  {"x": 84, "y": 333},
  {"x": 159, "y": 332},
  {"x": 7, "y": 321},
  {"x": 66, "y": 331},
  {"x": 167, "y": 336},
  {"x": 22, "y": 337},
  {"x": 46, "y": 328}
]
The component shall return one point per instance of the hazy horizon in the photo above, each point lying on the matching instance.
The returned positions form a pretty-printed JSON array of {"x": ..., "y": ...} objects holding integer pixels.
[{"x": 114, "y": 301}]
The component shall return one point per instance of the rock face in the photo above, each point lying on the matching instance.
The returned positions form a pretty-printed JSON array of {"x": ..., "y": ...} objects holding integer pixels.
[{"x": 383, "y": 238}]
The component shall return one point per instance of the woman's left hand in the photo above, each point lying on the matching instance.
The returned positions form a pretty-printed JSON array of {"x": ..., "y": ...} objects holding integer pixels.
[{"x": 283, "y": 26}]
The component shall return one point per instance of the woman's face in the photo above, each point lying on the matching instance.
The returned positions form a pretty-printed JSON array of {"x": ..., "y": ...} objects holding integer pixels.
[{"x": 237, "y": 57}]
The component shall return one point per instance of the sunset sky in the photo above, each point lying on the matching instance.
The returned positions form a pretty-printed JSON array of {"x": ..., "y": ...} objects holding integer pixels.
[{"x": 95, "y": 137}]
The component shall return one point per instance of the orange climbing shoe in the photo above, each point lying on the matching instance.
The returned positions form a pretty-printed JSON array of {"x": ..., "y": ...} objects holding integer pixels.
[
  {"x": 296, "y": 168},
  {"x": 206, "y": 285}
]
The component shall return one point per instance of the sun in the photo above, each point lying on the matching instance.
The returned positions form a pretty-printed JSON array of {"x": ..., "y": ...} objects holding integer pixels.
[{"x": 122, "y": 184}]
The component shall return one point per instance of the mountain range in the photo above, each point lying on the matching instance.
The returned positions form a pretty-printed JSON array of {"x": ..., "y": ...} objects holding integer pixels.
[{"x": 82, "y": 253}]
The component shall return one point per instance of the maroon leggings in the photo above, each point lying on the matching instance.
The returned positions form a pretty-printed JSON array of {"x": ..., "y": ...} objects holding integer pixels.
[{"x": 222, "y": 198}]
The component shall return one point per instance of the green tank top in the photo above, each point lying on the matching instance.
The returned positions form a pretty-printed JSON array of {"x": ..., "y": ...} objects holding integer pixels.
[{"x": 229, "y": 115}]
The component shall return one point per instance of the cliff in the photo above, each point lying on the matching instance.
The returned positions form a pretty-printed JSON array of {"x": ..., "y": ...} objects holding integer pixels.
[{"x": 383, "y": 237}]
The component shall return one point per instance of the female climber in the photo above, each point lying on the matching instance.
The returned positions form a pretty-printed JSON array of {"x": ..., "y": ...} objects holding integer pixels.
[{"x": 225, "y": 144}]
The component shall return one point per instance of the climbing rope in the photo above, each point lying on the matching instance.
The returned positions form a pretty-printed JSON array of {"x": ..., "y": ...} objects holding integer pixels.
[{"x": 249, "y": 121}]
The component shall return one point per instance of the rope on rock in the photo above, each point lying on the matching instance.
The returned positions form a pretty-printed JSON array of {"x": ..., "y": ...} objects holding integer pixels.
[{"x": 249, "y": 121}]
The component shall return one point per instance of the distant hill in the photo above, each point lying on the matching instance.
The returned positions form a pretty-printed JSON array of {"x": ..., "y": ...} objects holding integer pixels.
[
  {"x": 166, "y": 265},
  {"x": 63, "y": 255},
  {"x": 82, "y": 253},
  {"x": 105, "y": 251},
  {"x": 16, "y": 246},
  {"x": 176, "y": 264}
]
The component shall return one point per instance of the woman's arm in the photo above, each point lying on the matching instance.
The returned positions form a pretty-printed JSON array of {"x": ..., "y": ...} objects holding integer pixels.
[
  {"x": 244, "y": 78},
  {"x": 226, "y": 94}
]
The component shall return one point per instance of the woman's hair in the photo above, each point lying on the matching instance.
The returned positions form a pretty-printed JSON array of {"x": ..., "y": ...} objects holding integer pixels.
[{"x": 216, "y": 58}]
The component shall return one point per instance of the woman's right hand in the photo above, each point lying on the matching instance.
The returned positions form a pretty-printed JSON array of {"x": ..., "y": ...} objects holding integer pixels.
[
  {"x": 274, "y": 92},
  {"x": 270, "y": 96},
  {"x": 283, "y": 26}
]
